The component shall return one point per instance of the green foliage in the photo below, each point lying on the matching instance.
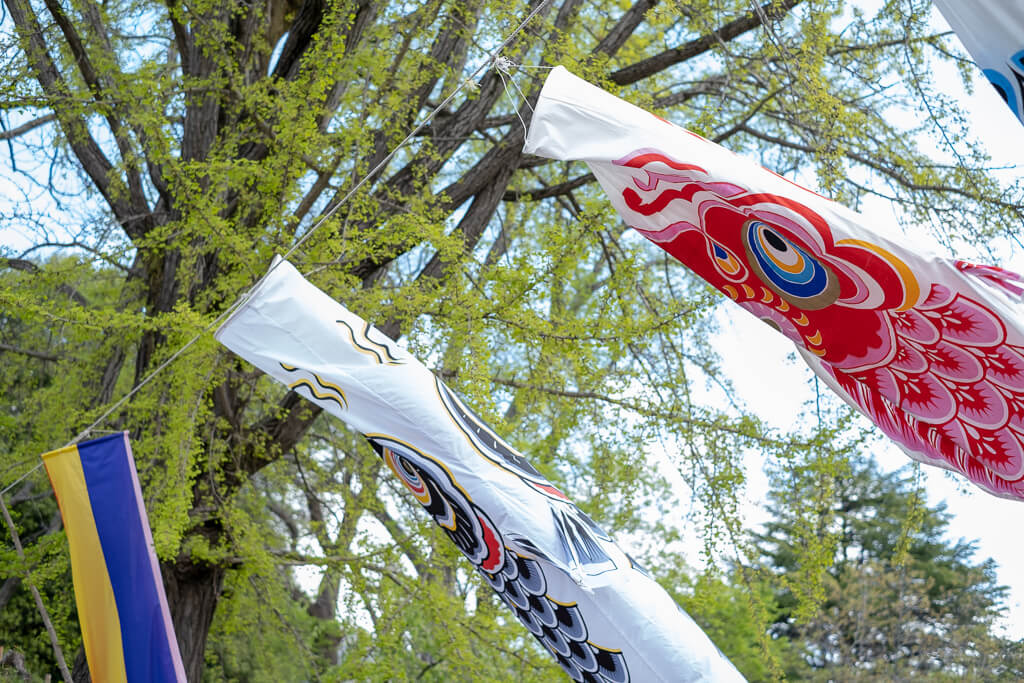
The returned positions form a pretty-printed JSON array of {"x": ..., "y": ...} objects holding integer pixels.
[{"x": 180, "y": 146}]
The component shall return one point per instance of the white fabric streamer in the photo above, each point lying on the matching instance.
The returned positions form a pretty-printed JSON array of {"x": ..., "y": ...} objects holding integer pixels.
[
  {"x": 993, "y": 32},
  {"x": 586, "y": 601}
]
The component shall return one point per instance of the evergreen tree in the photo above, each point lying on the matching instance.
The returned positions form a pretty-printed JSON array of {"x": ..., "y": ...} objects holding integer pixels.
[{"x": 898, "y": 599}]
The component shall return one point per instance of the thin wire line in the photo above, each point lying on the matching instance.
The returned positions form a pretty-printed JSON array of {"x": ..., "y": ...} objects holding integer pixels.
[
  {"x": 504, "y": 64},
  {"x": 526, "y": 100},
  {"x": 327, "y": 214},
  {"x": 21, "y": 479},
  {"x": 134, "y": 390},
  {"x": 508, "y": 92}
]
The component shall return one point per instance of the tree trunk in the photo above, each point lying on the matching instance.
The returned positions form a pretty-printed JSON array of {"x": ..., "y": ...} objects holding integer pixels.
[{"x": 192, "y": 594}]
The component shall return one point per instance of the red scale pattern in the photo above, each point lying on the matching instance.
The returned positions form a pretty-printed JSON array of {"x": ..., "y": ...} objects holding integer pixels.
[{"x": 938, "y": 376}]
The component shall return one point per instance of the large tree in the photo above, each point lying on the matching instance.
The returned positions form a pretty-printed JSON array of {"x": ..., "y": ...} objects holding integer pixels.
[{"x": 160, "y": 154}]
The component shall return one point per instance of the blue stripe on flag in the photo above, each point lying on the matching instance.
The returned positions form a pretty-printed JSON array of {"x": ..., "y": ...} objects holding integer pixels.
[{"x": 147, "y": 655}]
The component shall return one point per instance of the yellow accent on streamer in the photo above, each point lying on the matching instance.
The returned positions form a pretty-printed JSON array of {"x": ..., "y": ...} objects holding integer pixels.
[
  {"x": 559, "y": 602},
  {"x": 340, "y": 399},
  {"x": 331, "y": 385},
  {"x": 423, "y": 498},
  {"x": 357, "y": 346},
  {"x": 455, "y": 482},
  {"x": 606, "y": 649},
  {"x": 911, "y": 289}
]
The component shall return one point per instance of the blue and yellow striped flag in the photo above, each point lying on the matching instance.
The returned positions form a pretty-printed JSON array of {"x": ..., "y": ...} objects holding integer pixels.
[{"x": 122, "y": 608}]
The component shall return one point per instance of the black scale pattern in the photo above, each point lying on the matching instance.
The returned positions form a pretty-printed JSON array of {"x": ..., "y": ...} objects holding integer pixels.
[{"x": 559, "y": 628}]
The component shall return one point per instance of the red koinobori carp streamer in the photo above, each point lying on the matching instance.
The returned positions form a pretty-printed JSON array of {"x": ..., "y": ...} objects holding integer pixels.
[
  {"x": 930, "y": 349},
  {"x": 588, "y": 603}
]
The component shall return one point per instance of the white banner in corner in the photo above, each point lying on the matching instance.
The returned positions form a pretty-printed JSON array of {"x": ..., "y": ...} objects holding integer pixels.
[
  {"x": 993, "y": 32},
  {"x": 598, "y": 612}
]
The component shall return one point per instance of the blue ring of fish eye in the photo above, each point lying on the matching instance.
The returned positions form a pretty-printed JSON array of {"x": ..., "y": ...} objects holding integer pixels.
[{"x": 812, "y": 280}]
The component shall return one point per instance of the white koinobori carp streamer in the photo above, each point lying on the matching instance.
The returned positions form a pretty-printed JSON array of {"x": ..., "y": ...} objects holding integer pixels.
[
  {"x": 993, "y": 32},
  {"x": 587, "y": 601},
  {"x": 930, "y": 349}
]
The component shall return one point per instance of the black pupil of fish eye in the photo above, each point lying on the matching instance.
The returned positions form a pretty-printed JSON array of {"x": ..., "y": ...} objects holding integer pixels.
[{"x": 777, "y": 242}]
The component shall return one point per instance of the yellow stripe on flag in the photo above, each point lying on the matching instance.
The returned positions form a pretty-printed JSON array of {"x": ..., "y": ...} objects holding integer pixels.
[{"x": 94, "y": 595}]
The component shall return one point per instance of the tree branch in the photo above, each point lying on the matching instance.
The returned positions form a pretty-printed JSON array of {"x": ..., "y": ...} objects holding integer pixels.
[
  {"x": 88, "y": 152},
  {"x": 637, "y": 408},
  {"x": 280, "y": 431},
  {"x": 30, "y": 267},
  {"x": 92, "y": 79},
  {"x": 891, "y": 173},
  {"x": 473, "y": 222},
  {"x": 452, "y": 133},
  {"x": 26, "y": 127},
  {"x": 549, "y": 191},
  {"x": 507, "y": 152},
  {"x": 300, "y": 37},
  {"x": 621, "y": 32},
  {"x": 28, "y": 352},
  {"x": 500, "y": 158},
  {"x": 774, "y": 9}
]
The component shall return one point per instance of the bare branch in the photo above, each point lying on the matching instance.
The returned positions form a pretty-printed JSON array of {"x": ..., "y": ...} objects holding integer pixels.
[
  {"x": 891, "y": 173},
  {"x": 26, "y": 127},
  {"x": 87, "y": 150},
  {"x": 93, "y": 81},
  {"x": 774, "y": 9},
  {"x": 548, "y": 191},
  {"x": 29, "y": 352},
  {"x": 712, "y": 85},
  {"x": 621, "y": 32},
  {"x": 98, "y": 253}
]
